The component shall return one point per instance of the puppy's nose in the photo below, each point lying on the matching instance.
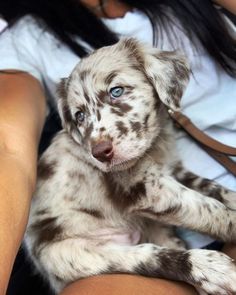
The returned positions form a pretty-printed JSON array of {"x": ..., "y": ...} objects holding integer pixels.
[{"x": 103, "y": 151}]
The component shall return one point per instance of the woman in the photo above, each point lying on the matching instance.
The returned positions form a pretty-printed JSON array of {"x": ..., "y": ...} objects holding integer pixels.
[{"x": 40, "y": 49}]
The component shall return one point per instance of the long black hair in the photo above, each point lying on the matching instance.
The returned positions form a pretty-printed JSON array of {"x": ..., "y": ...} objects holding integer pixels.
[{"x": 69, "y": 18}]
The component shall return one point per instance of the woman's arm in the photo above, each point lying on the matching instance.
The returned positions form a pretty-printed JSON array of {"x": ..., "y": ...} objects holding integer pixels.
[
  {"x": 230, "y": 5},
  {"x": 22, "y": 113}
]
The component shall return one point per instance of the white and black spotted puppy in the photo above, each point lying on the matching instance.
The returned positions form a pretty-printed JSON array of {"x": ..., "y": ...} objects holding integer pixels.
[{"x": 110, "y": 186}]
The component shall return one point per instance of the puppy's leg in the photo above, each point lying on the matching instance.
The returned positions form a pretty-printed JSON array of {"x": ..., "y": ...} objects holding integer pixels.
[
  {"x": 162, "y": 235},
  {"x": 204, "y": 186},
  {"x": 68, "y": 260},
  {"x": 167, "y": 201}
]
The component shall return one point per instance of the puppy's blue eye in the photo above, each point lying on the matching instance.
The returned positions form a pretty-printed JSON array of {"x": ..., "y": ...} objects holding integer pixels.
[
  {"x": 80, "y": 116},
  {"x": 116, "y": 92}
]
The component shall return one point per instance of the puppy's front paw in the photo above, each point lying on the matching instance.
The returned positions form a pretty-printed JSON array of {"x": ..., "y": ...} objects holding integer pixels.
[
  {"x": 175, "y": 243},
  {"x": 213, "y": 272},
  {"x": 229, "y": 200}
]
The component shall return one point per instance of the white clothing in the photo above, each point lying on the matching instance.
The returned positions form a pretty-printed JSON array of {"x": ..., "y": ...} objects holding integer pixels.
[
  {"x": 210, "y": 98},
  {"x": 2, "y": 24}
]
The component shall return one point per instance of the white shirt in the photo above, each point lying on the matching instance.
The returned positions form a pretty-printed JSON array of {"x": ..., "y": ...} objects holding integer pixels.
[
  {"x": 2, "y": 24},
  {"x": 209, "y": 100}
]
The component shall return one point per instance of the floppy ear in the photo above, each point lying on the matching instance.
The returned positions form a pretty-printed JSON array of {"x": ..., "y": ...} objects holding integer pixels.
[
  {"x": 63, "y": 109},
  {"x": 168, "y": 71},
  {"x": 169, "y": 74}
]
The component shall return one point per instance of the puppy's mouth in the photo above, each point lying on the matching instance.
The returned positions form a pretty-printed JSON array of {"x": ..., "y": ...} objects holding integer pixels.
[{"x": 116, "y": 165}]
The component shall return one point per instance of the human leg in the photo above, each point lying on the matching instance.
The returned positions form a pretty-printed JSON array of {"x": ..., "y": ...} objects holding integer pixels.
[{"x": 120, "y": 284}]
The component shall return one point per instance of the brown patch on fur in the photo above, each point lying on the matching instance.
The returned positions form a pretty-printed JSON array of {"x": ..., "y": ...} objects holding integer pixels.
[
  {"x": 176, "y": 264},
  {"x": 110, "y": 77},
  {"x": 169, "y": 211},
  {"x": 69, "y": 198},
  {"x": 204, "y": 186},
  {"x": 102, "y": 96},
  {"x": 62, "y": 89},
  {"x": 66, "y": 112},
  {"x": 171, "y": 264},
  {"x": 181, "y": 72},
  {"x": 124, "y": 197},
  {"x": 122, "y": 128},
  {"x": 124, "y": 107},
  {"x": 76, "y": 174},
  {"x": 87, "y": 98},
  {"x": 47, "y": 229},
  {"x": 102, "y": 129},
  {"x": 136, "y": 127},
  {"x": 84, "y": 75},
  {"x": 88, "y": 132},
  {"x": 117, "y": 112},
  {"x": 134, "y": 51},
  {"x": 91, "y": 212},
  {"x": 98, "y": 115},
  {"x": 46, "y": 169},
  {"x": 188, "y": 179},
  {"x": 42, "y": 212}
]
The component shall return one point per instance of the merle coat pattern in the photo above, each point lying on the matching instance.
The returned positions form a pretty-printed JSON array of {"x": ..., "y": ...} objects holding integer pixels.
[{"x": 110, "y": 186}]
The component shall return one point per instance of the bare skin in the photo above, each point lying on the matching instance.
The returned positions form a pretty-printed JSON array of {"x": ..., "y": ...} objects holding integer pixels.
[
  {"x": 22, "y": 114},
  {"x": 230, "y": 5},
  {"x": 114, "y": 8},
  {"x": 111, "y": 8},
  {"x": 132, "y": 284},
  {"x": 127, "y": 284}
]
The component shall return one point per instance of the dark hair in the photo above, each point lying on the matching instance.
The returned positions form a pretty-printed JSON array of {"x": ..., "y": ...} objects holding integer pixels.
[{"x": 68, "y": 18}]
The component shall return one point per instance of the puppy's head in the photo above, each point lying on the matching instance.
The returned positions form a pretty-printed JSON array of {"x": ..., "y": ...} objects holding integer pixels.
[{"x": 111, "y": 102}]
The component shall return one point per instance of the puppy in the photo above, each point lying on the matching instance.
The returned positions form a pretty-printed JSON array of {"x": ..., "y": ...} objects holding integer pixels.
[{"x": 110, "y": 186}]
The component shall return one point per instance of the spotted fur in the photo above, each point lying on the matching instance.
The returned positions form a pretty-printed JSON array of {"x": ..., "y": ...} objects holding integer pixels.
[{"x": 110, "y": 187}]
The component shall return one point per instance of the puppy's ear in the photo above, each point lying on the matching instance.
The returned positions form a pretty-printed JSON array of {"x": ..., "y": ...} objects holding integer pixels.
[
  {"x": 63, "y": 109},
  {"x": 167, "y": 71},
  {"x": 169, "y": 74}
]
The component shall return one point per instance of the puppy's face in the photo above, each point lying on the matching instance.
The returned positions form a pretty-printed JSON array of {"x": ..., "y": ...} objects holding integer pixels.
[{"x": 110, "y": 104}]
